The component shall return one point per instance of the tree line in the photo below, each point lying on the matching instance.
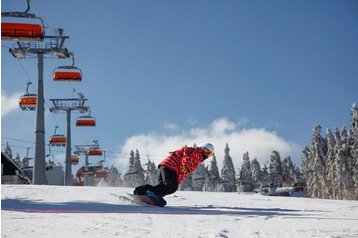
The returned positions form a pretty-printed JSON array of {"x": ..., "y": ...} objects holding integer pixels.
[
  {"x": 330, "y": 164},
  {"x": 250, "y": 176},
  {"x": 329, "y": 168}
]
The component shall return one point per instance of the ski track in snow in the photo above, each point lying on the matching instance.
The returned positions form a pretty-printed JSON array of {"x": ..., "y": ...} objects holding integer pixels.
[{"x": 53, "y": 211}]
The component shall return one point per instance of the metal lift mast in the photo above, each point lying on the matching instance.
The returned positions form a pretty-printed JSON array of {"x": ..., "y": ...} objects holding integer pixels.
[
  {"x": 40, "y": 50},
  {"x": 68, "y": 105}
]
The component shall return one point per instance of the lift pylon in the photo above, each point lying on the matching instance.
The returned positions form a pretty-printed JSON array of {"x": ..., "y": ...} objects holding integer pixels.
[{"x": 68, "y": 105}]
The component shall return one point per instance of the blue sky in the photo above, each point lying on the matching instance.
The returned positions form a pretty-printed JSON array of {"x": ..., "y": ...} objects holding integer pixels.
[{"x": 158, "y": 74}]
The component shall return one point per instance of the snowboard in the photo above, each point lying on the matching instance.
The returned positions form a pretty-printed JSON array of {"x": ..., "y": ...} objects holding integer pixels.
[{"x": 148, "y": 200}]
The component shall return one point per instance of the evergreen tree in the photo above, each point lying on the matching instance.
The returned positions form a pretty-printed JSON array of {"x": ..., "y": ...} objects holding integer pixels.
[
  {"x": 342, "y": 165},
  {"x": 245, "y": 174},
  {"x": 228, "y": 175},
  {"x": 330, "y": 165},
  {"x": 275, "y": 167},
  {"x": 138, "y": 166},
  {"x": 305, "y": 157},
  {"x": 316, "y": 179},
  {"x": 288, "y": 172},
  {"x": 256, "y": 173},
  {"x": 114, "y": 177},
  {"x": 213, "y": 176},
  {"x": 152, "y": 173},
  {"x": 265, "y": 175},
  {"x": 332, "y": 188},
  {"x": 134, "y": 176},
  {"x": 198, "y": 178},
  {"x": 353, "y": 147}
]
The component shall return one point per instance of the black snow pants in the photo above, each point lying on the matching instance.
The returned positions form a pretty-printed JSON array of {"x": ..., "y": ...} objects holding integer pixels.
[{"x": 167, "y": 183}]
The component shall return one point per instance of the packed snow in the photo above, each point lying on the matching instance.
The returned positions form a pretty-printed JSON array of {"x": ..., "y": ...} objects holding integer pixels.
[{"x": 60, "y": 211}]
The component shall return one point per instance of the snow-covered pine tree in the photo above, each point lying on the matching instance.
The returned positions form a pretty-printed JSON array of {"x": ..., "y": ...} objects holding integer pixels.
[
  {"x": 275, "y": 167},
  {"x": 198, "y": 178},
  {"x": 288, "y": 172},
  {"x": 213, "y": 176},
  {"x": 139, "y": 169},
  {"x": 256, "y": 174},
  {"x": 151, "y": 173},
  {"x": 265, "y": 176},
  {"x": 330, "y": 165},
  {"x": 332, "y": 183},
  {"x": 114, "y": 177},
  {"x": 138, "y": 165},
  {"x": 306, "y": 169},
  {"x": 127, "y": 177},
  {"x": 316, "y": 180},
  {"x": 245, "y": 178},
  {"x": 228, "y": 175},
  {"x": 353, "y": 147},
  {"x": 134, "y": 175},
  {"x": 342, "y": 166}
]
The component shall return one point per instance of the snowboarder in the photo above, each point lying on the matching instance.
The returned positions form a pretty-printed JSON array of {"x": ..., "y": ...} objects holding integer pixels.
[{"x": 175, "y": 168}]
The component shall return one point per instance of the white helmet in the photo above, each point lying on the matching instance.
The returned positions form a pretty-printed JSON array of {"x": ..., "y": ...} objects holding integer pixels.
[{"x": 208, "y": 149}]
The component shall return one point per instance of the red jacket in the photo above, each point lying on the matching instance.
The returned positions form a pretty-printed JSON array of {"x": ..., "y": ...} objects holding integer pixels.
[{"x": 183, "y": 161}]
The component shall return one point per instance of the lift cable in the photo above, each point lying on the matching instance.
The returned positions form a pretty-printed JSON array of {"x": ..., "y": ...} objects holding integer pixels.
[{"x": 108, "y": 152}]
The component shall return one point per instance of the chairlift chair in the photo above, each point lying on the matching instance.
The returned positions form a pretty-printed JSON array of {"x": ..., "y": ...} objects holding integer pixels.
[
  {"x": 94, "y": 152},
  {"x": 28, "y": 101},
  {"x": 86, "y": 121},
  {"x": 69, "y": 73},
  {"x": 57, "y": 139},
  {"x": 22, "y": 26},
  {"x": 74, "y": 160}
]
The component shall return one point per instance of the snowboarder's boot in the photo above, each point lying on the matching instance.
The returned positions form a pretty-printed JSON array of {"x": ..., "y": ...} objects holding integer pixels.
[
  {"x": 141, "y": 190},
  {"x": 158, "y": 200}
]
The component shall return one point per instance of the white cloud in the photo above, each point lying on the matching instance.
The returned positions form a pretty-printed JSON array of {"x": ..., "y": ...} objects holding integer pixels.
[
  {"x": 9, "y": 103},
  {"x": 259, "y": 142}
]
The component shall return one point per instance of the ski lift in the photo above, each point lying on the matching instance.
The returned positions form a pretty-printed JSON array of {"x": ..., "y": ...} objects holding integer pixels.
[
  {"x": 74, "y": 160},
  {"x": 68, "y": 73},
  {"x": 94, "y": 152},
  {"x": 28, "y": 101},
  {"x": 21, "y": 26},
  {"x": 86, "y": 120},
  {"x": 57, "y": 139}
]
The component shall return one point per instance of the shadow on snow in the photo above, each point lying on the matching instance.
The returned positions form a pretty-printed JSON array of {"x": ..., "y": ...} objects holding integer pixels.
[{"x": 21, "y": 205}]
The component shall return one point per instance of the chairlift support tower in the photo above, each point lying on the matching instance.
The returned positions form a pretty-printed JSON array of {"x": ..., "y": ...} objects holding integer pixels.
[
  {"x": 68, "y": 105},
  {"x": 49, "y": 46}
]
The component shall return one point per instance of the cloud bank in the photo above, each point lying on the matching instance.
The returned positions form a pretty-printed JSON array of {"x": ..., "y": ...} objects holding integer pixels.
[
  {"x": 259, "y": 142},
  {"x": 9, "y": 103}
]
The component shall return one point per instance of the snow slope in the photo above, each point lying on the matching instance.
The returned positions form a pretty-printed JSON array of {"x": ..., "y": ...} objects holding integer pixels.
[{"x": 54, "y": 211}]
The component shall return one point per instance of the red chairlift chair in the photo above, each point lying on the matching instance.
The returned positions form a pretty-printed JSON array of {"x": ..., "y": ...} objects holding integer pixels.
[
  {"x": 57, "y": 139},
  {"x": 68, "y": 73},
  {"x": 28, "y": 101},
  {"x": 21, "y": 26}
]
